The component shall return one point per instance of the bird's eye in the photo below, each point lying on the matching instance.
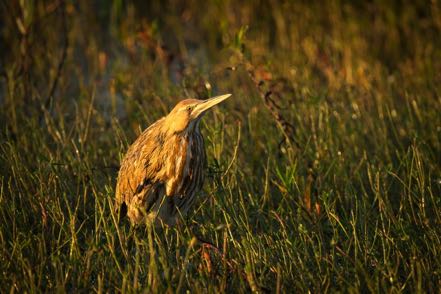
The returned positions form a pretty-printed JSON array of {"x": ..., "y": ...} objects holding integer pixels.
[{"x": 189, "y": 108}]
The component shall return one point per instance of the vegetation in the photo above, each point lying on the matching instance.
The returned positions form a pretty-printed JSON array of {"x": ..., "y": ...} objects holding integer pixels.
[{"x": 324, "y": 167}]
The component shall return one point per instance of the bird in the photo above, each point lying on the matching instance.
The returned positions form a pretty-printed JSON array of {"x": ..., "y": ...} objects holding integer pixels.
[{"x": 163, "y": 170}]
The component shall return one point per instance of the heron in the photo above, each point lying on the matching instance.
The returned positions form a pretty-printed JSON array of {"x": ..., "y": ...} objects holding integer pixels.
[{"x": 163, "y": 170}]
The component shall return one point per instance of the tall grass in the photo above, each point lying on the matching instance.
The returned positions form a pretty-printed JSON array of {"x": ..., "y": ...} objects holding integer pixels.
[{"x": 324, "y": 167}]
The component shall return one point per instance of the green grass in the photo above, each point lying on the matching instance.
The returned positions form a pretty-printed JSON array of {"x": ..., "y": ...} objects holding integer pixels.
[{"x": 324, "y": 167}]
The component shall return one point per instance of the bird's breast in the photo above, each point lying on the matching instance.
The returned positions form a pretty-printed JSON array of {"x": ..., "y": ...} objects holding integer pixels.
[{"x": 185, "y": 167}]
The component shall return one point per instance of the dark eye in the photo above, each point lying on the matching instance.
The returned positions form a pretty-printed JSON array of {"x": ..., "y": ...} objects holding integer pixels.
[{"x": 189, "y": 108}]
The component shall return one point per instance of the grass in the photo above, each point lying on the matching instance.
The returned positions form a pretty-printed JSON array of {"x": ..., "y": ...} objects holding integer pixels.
[{"x": 324, "y": 167}]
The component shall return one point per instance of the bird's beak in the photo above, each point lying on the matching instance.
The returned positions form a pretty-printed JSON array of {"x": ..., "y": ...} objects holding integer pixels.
[{"x": 207, "y": 104}]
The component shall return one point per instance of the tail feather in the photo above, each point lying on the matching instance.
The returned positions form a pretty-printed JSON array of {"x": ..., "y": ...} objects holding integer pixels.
[{"x": 122, "y": 210}]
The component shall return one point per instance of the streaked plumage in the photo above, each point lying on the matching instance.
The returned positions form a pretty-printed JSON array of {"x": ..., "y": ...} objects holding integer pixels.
[{"x": 163, "y": 169}]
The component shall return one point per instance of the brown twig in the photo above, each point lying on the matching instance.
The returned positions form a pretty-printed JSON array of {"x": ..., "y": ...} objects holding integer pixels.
[{"x": 268, "y": 95}]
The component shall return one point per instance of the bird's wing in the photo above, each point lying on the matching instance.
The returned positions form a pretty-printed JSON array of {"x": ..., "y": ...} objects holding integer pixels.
[{"x": 139, "y": 181}]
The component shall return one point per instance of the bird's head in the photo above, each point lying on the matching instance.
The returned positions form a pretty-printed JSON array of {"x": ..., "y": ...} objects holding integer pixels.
[{"x": 187, "y": 113}]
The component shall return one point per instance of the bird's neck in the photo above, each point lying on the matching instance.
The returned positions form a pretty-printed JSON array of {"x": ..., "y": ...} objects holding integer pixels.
[{"x": 191, "y": 129}]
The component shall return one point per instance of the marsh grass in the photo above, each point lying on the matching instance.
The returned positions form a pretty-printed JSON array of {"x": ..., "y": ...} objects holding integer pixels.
[{"x": 348, "y": 197}]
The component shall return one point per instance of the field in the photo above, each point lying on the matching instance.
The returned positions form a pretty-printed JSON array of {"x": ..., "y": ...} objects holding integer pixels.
[{"x": 324, "y": 167}]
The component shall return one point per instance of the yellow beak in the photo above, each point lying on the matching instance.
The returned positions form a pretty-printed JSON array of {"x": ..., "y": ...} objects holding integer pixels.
[{"x": 207, "y": 104}]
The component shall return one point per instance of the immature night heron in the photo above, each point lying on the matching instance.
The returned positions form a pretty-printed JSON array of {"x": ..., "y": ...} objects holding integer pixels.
[{"x": 163, "y": 169}]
